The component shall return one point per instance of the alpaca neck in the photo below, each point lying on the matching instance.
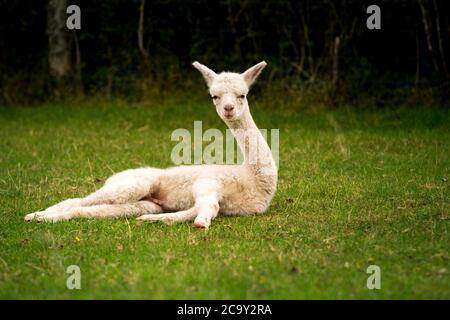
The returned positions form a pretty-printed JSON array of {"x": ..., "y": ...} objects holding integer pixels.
[{"x": 257, "y": 154}]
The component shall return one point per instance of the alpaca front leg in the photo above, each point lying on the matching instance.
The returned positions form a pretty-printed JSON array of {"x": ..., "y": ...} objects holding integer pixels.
[
  {"x": 206, "y": 194},
  {"x": 172, "y": 217},
  {"x": 207, "y": 208}
]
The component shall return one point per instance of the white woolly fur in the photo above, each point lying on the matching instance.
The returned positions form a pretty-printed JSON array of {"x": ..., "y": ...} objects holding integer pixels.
[{"x": 190, "y": 193}]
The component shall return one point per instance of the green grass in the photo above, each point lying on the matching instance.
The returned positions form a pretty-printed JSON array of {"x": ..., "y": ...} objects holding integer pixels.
[{"x": 356, "y": 188}]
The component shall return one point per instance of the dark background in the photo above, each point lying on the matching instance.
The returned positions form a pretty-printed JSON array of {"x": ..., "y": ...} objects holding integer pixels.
[{"x": 405, "y": 63}]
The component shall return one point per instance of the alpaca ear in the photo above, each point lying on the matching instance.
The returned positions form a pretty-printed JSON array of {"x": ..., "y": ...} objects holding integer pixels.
[
  {"x": 207, "y": 73},
  {"x": 252, "y": 73}
]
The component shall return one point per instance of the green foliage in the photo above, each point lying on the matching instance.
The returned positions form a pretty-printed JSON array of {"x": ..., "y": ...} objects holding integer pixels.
[
  {"x": 356, "y": 188},
  {"x": 376, "y": 67}
]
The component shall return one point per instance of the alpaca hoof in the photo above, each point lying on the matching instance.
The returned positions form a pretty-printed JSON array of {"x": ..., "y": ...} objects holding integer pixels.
[
  {"x": 52, "y": 217},
  {"x": 32, "y": 216},
  {"x": 200, "y": 225}
]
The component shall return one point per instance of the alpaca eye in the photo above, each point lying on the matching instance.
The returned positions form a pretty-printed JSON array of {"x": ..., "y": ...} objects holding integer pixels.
[
  {"x": 215, "y": 97},
  {"x": 242, "y": 96}
]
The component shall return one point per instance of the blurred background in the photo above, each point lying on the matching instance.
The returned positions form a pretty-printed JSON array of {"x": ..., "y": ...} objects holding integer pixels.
[{"x": 319, "y": 52}]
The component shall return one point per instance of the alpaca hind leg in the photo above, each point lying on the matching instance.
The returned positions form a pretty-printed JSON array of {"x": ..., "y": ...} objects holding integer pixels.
[
  {"x": 129, "y": 189},
  {"x": 101, "y": 211},
  {"x": 61, "y": 206},
  {"x": 120, "y": 192},
  {"x": 66, "y": 204},
  {"x": 114, "y": 193}
]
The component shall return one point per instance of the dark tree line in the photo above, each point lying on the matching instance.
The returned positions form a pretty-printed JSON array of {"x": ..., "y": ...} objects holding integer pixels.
[{"x": 128, "y": 47}]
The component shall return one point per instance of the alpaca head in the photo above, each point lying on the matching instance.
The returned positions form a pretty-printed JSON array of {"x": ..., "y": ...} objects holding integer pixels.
[{"x": 229, "y": 90}]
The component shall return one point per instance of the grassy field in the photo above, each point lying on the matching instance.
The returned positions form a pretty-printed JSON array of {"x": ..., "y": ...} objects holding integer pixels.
[{"x": 356, "y": 188}]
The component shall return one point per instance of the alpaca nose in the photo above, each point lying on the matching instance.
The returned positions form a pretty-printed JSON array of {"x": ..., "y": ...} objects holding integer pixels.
[{"x": 229, "y": 107}]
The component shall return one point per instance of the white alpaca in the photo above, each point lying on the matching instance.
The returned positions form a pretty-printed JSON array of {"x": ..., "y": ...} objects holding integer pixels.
[{"x": 197, "y": 192}]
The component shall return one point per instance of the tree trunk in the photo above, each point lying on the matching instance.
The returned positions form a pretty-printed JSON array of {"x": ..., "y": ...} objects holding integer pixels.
[
  {"x": 335, "y": 77},
  {"x": 78, "y": 74},
  {"x": 439, "y": 38},
  {"x": 58, "y": 46},
  {"x": 428, "y": 33},
  {"x": 141, "y": 32}
]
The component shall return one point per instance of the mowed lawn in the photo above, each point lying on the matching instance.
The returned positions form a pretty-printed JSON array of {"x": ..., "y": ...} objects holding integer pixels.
[{"x": 356, "y": 188}]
